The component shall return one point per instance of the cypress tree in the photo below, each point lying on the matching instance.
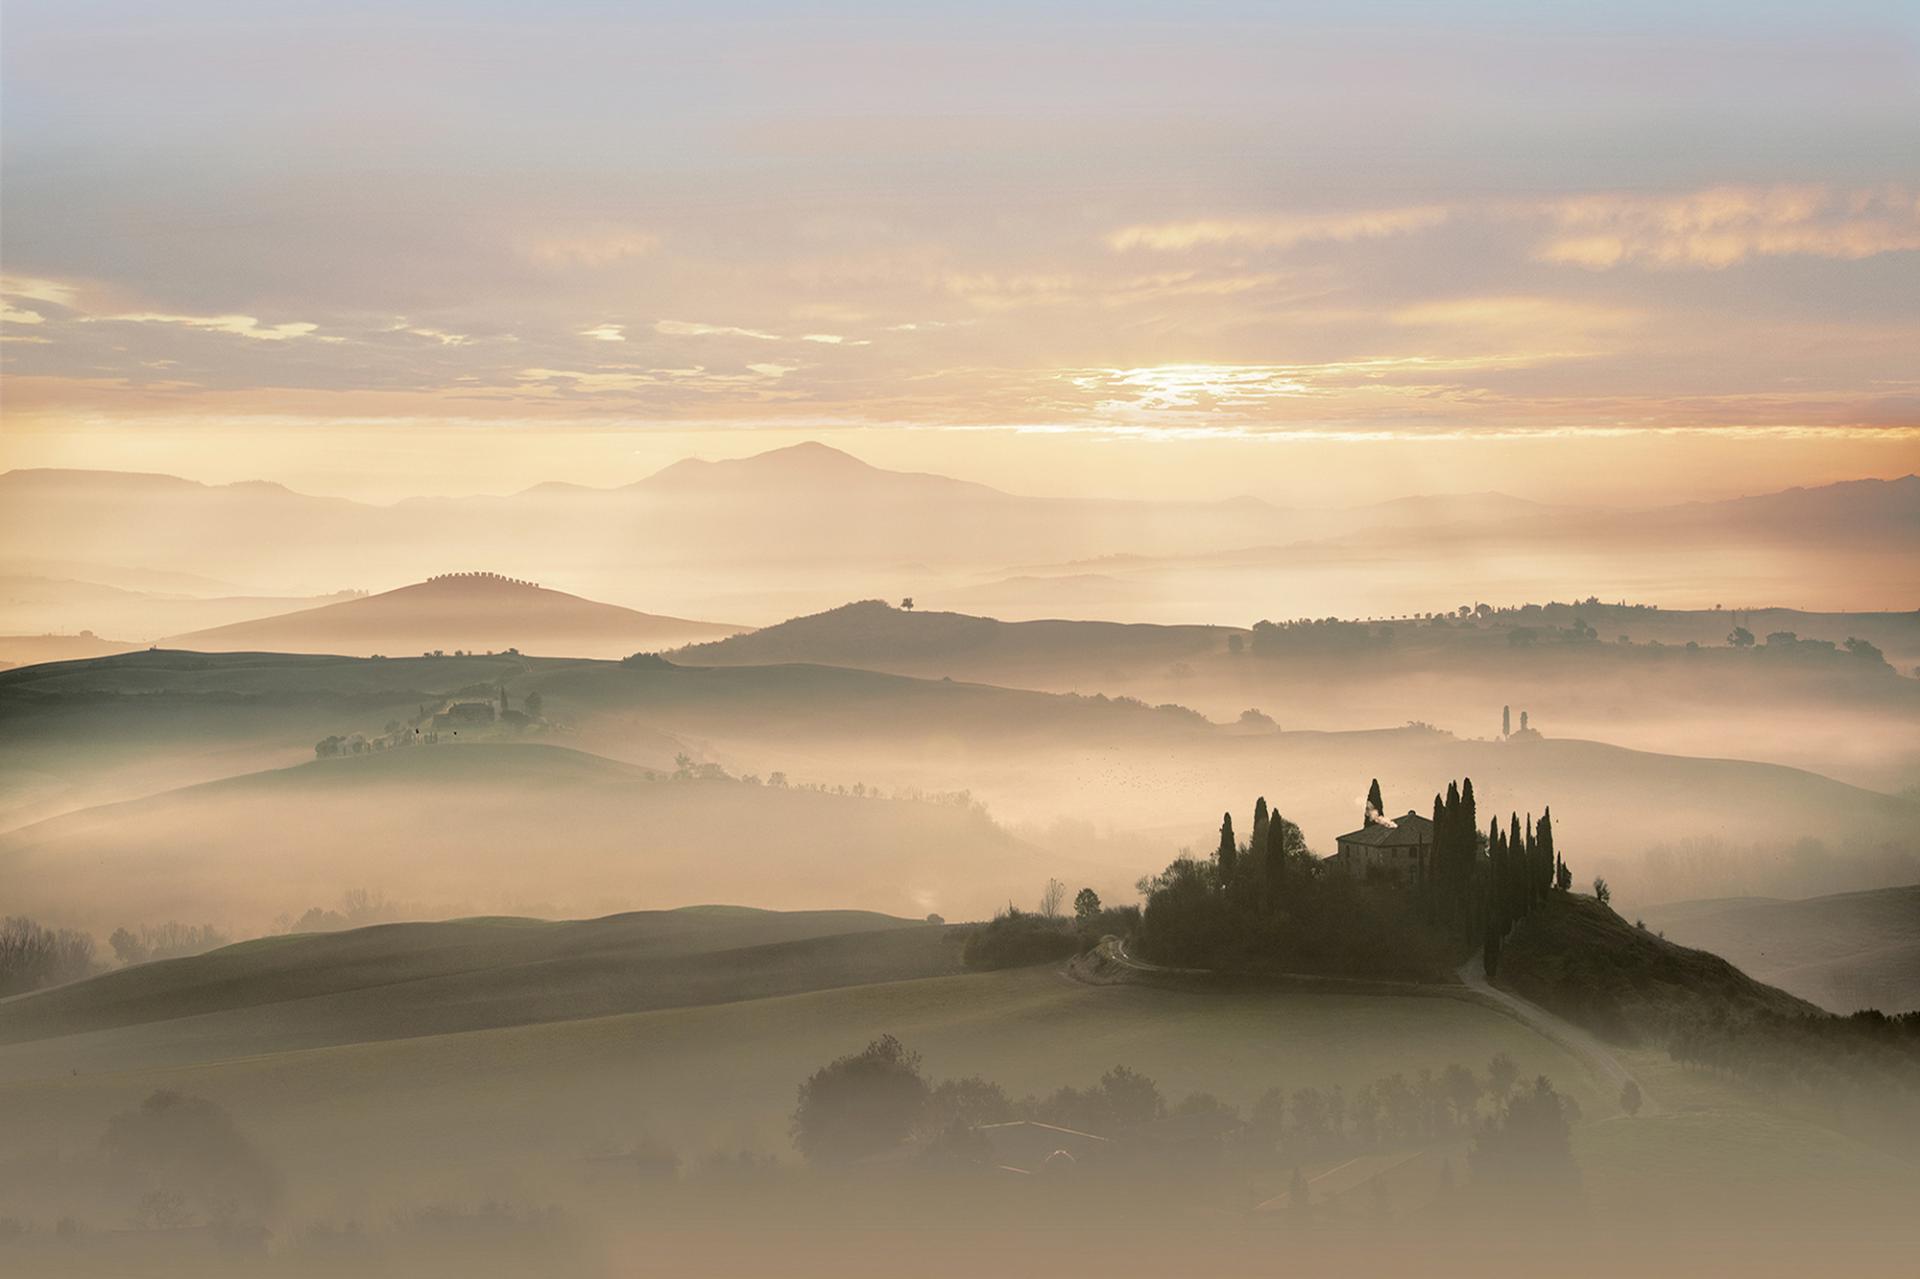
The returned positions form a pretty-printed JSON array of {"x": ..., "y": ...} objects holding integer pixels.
[
  {"x": 1549, "y": 859},
  {"x": 1257, "y": 842},
  {"x": 1376, "y": 807},
  {"x": 1496, "y": 908},
  {"x": 1229, "y": 852},
  {"x": 1276, "y": 855},
  {"x": 1517, "y": 869},
  {"x": 1532, "y": 866},
  {"x": 1468, "y": 853},
  {"x": 1436, "y": 877},
  {"x": 1447, "y": 846}
]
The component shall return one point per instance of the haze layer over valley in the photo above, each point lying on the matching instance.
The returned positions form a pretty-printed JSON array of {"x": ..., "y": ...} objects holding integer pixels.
[
  {"x": 759, "y": 539},
  {"x": 839, "y": 640}
]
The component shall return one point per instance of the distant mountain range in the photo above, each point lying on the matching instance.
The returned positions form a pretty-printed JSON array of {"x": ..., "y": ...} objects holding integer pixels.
[
  {"x": 791, "y": 530},
  {"x": 469, "y": 612}
]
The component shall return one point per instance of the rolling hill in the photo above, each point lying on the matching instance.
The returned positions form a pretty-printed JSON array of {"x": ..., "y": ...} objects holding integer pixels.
[
  {"x": 1843, "y": 952},
  {"x": 1121, "y": 775},
  {"x": 1656, "y": 679},
  {"x": 505, "y": 829},
  {"x": 1577, "y": 957},
  {"x": 407, "y": 979},
  {"x": 458, "y": 612},
  {"x": 873, "y": 635},
  {"x": 31, "y": 650}
]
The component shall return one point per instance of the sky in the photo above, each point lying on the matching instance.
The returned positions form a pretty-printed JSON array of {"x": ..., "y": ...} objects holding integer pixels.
[{"x": 1605, "y": 253}]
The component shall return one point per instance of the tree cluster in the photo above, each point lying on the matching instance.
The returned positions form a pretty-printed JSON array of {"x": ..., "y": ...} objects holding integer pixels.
[
  {"x": 879, "y": 1101},
  {"x": 170, "y": 940},
  {"x": 33, "y": 955},
  {"x": 1016, "y": 938},
  {"x": 1317, "y": 637},
  {"x": 1522, "y": 869}
]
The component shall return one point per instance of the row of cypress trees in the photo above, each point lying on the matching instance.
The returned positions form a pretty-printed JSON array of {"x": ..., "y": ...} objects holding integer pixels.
[
  {"x": 1486, "y": 897},
  {"x": 1522, "y": 868}
]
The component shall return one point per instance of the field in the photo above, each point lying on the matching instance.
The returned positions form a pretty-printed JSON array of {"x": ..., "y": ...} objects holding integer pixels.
[
  {"x": 721, "y": 1077},
  {"x": 309, "y": 1049}
]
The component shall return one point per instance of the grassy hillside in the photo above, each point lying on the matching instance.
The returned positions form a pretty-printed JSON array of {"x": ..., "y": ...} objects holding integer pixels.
[
  {"x": 1843, "y": 952},
  {"x": 504, "y": 828},
  {"x": 876, "y": 636},
  {"x": 400, "y": 980},
  {"x": 1578, "y": 958}
]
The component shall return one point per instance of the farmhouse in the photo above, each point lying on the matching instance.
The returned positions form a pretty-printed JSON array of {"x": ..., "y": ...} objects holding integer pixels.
[
  {"x": 1023, "y": 1145},
  {"x": 1399, "y": 848}
]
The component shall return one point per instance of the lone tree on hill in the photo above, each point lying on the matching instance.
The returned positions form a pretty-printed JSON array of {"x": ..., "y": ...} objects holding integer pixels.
[
  {"x": 907, "y": 603},
  {"x": 1052, "y": 897}
]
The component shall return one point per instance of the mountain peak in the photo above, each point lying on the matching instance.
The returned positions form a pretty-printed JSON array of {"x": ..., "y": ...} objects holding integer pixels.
[
  {"x": 808, "y": 453},
  {"x": 807, "y": 460}
]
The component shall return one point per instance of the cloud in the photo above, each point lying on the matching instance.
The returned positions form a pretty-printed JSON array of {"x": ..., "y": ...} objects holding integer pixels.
[
  {"x": 51, "y": 291},
  {"x": 441, "y": 336},
  {"x": 691, "y": 329},
  {"x": 1280, "y": 232},
  {"x": 634, "y": 379},
  {"x": 1526, "y": 328},
  {"x": 1721, "y": 226},
  {"x": 606, "y": 333},
  {"x": 594, "y": 248},
  {"x": 11, "y": 314},
  {"x": 245, "y": 326}
]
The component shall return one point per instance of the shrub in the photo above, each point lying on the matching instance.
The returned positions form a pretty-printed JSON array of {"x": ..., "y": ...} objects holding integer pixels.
[{"x": 1016, "y": 939}]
